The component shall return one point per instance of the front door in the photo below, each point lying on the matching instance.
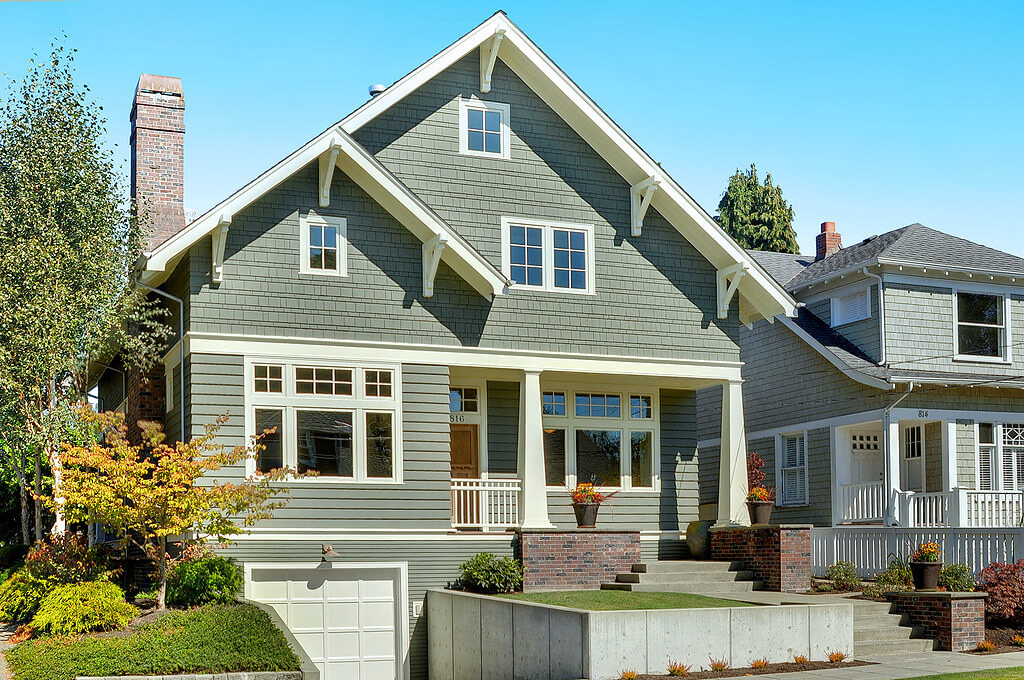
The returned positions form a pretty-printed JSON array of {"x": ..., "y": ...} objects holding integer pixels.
[{"x": 465, "y": 452}]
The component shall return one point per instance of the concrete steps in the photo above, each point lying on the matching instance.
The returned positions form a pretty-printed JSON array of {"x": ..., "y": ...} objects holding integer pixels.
[
  {"x": 685, "y": 576},
  {"x": 877, "y": 631}
]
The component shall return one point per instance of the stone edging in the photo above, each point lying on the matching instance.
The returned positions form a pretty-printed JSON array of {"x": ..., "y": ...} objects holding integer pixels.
[{"x": 941, "y": 594}]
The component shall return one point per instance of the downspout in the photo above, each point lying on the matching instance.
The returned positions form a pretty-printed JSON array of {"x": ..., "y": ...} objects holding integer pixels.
[
  {"x": 890, "y": 510},
  {"x": 881, "y": 315},
  {"x": 181, "y": 338}
]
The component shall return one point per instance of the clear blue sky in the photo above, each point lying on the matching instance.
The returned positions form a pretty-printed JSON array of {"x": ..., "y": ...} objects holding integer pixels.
[{"x": 871, "y": 114}]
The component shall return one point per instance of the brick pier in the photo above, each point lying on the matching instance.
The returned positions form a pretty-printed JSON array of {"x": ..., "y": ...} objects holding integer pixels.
[
  {"x": 778, "y": 554},
  {"x": 579, "y": 559},
  {"x": 956, "y": 620}
]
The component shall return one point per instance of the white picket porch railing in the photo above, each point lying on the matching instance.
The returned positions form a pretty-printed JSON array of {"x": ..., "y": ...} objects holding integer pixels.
[
  {"x": 962, "y": 508},
  {"x": 862, "y": 502},
  {"x": 485, "y": 503},
  {"x": 870, "y": 548},
  {"x": 992, "y": 509}
]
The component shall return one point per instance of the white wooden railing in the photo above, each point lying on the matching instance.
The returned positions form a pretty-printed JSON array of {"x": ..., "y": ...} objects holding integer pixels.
[
  {"x": 962, "y": 508},
  {"x": 862, "y": 502},
  {"x": 992, "y": 509},
  {"x": 485, "y": 503},
  {"x": 870, "y": 548},
  {"x": 929, "y": 510}
]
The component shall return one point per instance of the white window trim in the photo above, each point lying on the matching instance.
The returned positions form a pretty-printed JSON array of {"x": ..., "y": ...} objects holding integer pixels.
[
  {"x": 1007, "y": 341},
  {"x": 481, "y": 105},
  {"x": 359, "y": 404},
  {"x": 780, "y": 449},
  {"x": 836, "y": 307},
  {"x": 548, "y": 249},
  {"x": 479, "y": 418},
  {"x": 341, "y": 225},
  {"x": 169, "y": 386},
  {"x": 570, "y": 422}
]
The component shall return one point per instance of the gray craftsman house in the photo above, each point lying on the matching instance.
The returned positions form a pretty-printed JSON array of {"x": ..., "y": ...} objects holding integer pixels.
[
  {"x": 470, "y": 293},
  {"x": 894, "y": 397}
]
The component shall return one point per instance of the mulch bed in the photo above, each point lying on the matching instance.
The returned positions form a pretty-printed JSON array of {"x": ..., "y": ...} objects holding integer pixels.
[
  {"x": 1001, "y": 636},
  {"x": 769, "y": 669}
]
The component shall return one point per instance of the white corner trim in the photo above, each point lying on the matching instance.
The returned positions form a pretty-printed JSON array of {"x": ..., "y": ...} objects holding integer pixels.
[{"x": 833, "y": 359}]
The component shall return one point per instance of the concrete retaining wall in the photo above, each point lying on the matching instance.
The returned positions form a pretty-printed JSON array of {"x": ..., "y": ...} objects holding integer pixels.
[{"x": 475, "y": 636}]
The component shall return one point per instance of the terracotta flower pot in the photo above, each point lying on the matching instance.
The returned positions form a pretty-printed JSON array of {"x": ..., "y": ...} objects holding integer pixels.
[
  {"x": 760, "y": 511},
  {"x": 926, "y": 575},
  {"x": 586, "y": 514}
]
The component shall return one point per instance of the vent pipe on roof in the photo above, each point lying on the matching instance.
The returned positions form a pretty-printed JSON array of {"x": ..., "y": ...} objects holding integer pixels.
[{"x": 376, "y": 89}]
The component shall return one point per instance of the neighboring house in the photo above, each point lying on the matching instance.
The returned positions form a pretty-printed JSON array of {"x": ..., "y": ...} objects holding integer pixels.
[
  {"x": 895, "y": 395},
  {"x": 469, "y": 294}
]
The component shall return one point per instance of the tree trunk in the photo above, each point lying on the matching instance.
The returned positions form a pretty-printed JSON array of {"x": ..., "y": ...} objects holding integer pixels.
[
  {"x": 59, "y": 523},
  {"x": 38, "y": 503},
  {"x": 161, "y": 599},
  {"x": 26, "y": 538}
]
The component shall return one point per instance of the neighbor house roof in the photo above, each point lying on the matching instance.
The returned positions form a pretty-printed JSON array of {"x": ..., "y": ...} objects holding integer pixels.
[
  {"x": 915, "y": 245},
  {"x": 760, "y": 294}
]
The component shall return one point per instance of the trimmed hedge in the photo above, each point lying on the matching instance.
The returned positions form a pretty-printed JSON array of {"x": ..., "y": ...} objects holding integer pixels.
[
  {"x": 83, "y": 607},
  {"x": 204, "y": 581},
  {"x": 213, "y": 639}
]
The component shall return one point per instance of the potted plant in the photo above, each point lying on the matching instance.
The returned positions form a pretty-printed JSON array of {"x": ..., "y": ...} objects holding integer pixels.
[
  {"x": 586, "y": 500},
  {"x": 926, "y": 565},
  {"x": 760, "y": 498}
]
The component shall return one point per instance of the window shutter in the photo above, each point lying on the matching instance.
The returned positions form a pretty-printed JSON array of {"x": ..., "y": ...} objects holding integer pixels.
[
  {"x": 985, "y": 469},
  {"x": 794, "y": 472},
  {"x": 1007, "y": 470},
  {"x": 852, "y": 307}
]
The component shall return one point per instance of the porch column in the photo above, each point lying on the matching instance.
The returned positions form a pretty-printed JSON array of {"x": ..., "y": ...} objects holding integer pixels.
[
  {"x": 949, "y": 480},
  {"x": 732, "y": 474},
  {"x": 891, "y": 463},
  {"x": 531, "y": 453}
]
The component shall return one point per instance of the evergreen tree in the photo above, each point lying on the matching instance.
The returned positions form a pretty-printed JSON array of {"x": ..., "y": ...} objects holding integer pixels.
[{"x": 756, "y": 214}]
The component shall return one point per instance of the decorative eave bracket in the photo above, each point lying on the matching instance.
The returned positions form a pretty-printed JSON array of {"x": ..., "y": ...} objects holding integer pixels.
[
  {"x": 220, "y": 239},
  {"x": 728, "y": 282},
  {"x": 488, "y": 56},
  {"x": 640, "y": 196},
  {"x": 432, "y": 250},
  {"x": 328, "y": 161}
]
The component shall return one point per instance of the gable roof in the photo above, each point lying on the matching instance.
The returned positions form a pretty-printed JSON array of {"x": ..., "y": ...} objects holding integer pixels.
[
  {"x": 914, "y": 244},
  {"x": 760, "y": 295}
]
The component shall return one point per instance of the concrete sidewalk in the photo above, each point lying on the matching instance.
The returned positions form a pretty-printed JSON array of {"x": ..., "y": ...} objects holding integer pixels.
[{"x": 907, "y": 666}]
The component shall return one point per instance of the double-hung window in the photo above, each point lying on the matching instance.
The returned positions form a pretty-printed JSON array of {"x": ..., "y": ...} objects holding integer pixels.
[
  {"x": 791, "y": 457},
  {"x": 600, "y": 437},
  {"x": 548, "y": 256},
  {"x": 339, "y": 422},
  {"x": 484, "y": 128},
  {"x": 981, "y": 328},
  {"x": 323, "y": 245},
  {"x": 1000, "y": 456}
]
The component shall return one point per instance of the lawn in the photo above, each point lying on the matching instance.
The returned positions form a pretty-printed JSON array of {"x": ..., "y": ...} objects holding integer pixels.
[
  {"x": 608, "y": 600},
  {"x": 210, "y": 639},
  {"x": 998, "y": 674}
]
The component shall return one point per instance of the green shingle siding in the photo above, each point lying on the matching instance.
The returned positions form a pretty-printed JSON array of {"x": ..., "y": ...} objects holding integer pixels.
[{"x": 502, "y": 427}]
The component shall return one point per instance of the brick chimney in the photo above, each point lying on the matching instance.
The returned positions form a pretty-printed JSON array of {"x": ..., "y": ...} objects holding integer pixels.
[
  {"x": 828, "y": 242},
  {"x": 158, "y": 153}
]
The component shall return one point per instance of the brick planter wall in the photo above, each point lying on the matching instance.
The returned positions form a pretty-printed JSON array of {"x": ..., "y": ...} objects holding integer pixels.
[
  {"x": 580, "y": 559},
  {"x": 778, "y": 554},
  {"x": 956, "y": 620}
]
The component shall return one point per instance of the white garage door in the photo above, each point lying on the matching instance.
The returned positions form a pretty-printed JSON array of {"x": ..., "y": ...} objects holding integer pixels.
[{"x": 346, "y": 619}]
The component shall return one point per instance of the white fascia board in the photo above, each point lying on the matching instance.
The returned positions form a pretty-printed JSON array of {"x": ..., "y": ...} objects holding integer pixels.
[
  {"x": 833, "y": 359},
  {"x": 520, "y": 54}
]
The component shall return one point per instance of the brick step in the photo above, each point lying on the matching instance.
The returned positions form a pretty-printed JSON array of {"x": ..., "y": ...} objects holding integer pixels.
[
  {"x": 695, "y": 588},
  {"x": 862, "y": 650},
  {"x": 696, "y": 577},
  {"x": 684, "y": 566}
]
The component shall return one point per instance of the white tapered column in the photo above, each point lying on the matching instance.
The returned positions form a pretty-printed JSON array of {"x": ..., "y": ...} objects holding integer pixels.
[
  {"x": 531, "y": 454},
  {"x": 732, "y": 475},
  {"x": 893, "y": 485}
]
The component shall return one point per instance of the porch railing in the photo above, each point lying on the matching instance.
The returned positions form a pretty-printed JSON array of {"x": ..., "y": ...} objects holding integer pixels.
[
  {"x": 992, "y": 509},
  {"x": 485, "y": 503},
  {"x": 963, "y": 508},
  {"x": 863, "y": 502}
]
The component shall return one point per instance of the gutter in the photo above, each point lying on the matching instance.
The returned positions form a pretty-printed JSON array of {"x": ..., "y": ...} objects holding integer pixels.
[
  {"x": 181, "y": 338},
  {"x": 888, "y": 484},
  {"x": 881, "y": 316}
]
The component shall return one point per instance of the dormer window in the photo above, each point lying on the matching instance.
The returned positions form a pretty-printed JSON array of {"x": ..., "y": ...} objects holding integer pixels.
[
  {"x": 980, "y": 326},
  {"x": 851, "y": 307},
  {"x": 483, "y": 128}
]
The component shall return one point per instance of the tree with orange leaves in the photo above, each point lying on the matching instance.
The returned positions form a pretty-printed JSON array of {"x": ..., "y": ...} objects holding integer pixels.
[{"x": 155, "y": 493}]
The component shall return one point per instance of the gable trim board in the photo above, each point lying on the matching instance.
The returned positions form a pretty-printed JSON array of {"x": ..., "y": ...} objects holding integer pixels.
[
  {"x": 833, "y": 359},
  {"x": 760, "y": 295}
]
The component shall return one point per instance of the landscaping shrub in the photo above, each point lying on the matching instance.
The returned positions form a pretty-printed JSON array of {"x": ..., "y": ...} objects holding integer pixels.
[
  {"x": 487, "y": 574},
  {"x": 1004, "y": 583},
  {"x": 65, "y": 559},
  {"x": 206, "y": 580},
  {"x": 21, "y": 595},
  {"x": 894, "y": 578},
  {"x": 83, "y": 607},
  {"x": 843, "y": 576},
  {"x": 957, "y": 578},
  {"x": 217, "y": 638}
]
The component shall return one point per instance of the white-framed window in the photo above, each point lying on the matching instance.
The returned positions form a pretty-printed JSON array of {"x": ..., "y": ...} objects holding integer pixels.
[
  {"x": 600, "y": 436},
  {"x": 981, "y": 328},
  {"x": 484, "y": 128},
  {"x": 342, "y": 421},
  {"x": 323, "y": 248},
  {"x": 855, "y": 306},
  {"x": 1000, "y": 456},
  {"x": 791, "y": 464},
  {"x": 548, "y": 256},
  {"x": 169, "y": 387},
  {"x": 463, "y": 400}
]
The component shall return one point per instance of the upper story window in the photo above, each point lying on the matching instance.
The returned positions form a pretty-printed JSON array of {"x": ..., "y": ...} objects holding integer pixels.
[
  {"x": 483, "y": 128},
  {"x": 323, "y": 245},
  {"x": 851, "y": 307},
  {"x": 548, "y": 256},
  {"x": 981, "y": 328}
]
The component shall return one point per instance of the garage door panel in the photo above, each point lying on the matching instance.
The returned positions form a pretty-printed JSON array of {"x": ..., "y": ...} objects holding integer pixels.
[
  {"x": 307, "y": 616},
  {"x": 306, "y": 589},
  {"x": 379, "y": 643},
  {"x": 347, "y": 669},
  {"x": 343, "y": 645},
  {"x": 313, "y": 643},
  {"x": 342, "y": 590},
  {"x": 376, "y": 613},
  {"x": 379, "y": 669},
  {"x": 269, "y": 588},
  {"x": 377, "y": 589},
  {"x": 342, "y": 614}
]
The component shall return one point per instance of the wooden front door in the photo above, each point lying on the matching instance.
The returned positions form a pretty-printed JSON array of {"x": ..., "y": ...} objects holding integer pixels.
[{"x": 465, "y": 452}]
